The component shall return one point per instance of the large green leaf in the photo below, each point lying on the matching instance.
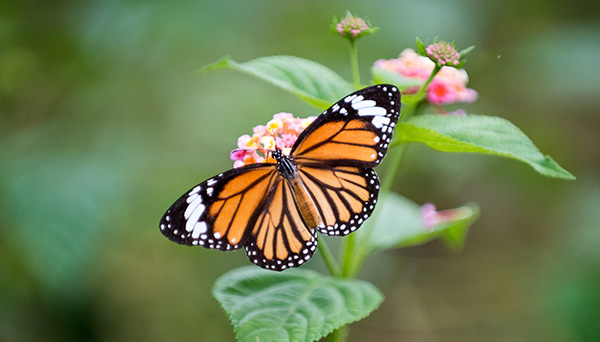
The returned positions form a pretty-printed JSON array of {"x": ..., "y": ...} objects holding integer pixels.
[
  {"x": 479, "y": 134},
  {"x": 295, "y": 305},
  {"x": 400, "y": 224},
  {"x": 313, "y": 82}
]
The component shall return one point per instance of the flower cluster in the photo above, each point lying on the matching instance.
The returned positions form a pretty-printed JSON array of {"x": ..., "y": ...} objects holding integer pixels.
[
  {"x": 443, "y": 53},
  {"x": 448, "y": 86},
  {"x": 352, "y": 27},
  {"x": 280, "y": 133}
]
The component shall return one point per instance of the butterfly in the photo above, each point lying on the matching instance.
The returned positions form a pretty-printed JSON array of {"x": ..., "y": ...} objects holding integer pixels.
[{"x": 274, "y": 209}]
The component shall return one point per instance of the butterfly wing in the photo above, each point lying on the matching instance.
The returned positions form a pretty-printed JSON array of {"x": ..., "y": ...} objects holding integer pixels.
[
  {"x": 356, "y": 131},
  {"x": 346, "y": 196},
  {"x": 220, "y": 212},
  {"x": 336, "y": 152},
  {"x": 280, "y": 239}
]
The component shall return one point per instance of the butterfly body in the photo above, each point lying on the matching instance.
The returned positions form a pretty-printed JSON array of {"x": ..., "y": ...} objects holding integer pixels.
[
  {"x": 275, "y": 209},
  {"x": 288, "y": 169}
]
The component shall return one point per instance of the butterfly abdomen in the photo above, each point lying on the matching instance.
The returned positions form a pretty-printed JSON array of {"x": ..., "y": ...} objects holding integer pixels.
[{"x": 308, "y": 208}]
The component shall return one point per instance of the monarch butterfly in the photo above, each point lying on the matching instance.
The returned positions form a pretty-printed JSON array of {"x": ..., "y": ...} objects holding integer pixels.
[{"x": 275, "y": 209}]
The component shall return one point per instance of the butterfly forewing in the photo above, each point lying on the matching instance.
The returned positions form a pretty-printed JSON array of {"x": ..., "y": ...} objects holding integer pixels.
[
  {"x": 356, "y": 131},
  {"x": 216, "y": 213}
]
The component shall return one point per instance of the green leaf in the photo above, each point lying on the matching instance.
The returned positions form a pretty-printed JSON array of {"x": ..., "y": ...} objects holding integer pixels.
[
  {"x": 478, "y": 134},
  {"x": 385, "y": 76},
  {"x": 400, "y": 224},
  {"x": 312, "y": 82},
  {"x": 421, "y": 47},
  {"x": 465, "y": 51},
  {"x": 295, "y": 305}
]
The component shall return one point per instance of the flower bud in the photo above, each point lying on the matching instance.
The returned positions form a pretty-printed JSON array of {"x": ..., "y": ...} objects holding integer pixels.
[{"x": 352, "y": 27}]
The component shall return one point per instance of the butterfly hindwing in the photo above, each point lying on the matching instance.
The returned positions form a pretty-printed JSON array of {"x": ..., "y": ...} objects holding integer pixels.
[
  {"x": 280, "y": 238},
  {"x": 216, "y": 213},
  {"x": 356, "y": 131},
  {"x": 346, "y": 196}
]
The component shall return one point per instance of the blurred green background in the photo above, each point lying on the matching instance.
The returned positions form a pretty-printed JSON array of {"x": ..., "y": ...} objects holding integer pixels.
[{"x": 103, "y": 124}]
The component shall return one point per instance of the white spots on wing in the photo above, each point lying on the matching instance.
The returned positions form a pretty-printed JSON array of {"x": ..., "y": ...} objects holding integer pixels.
[
  {"x": 381, "y": 121},
  {"x": 335, "y": 108},
  {"x": 195, "y": 190},
  {"x": 372, "y": 111},
  {"x": 350, "y": 98},
  {"x": 194, "y": 207},
  {"x": 363, "y": 104},
  {"x": 193, "y": 213},
  {"x": 192, "y": 197},
  {"x": 209, "y": 191},
  {"x": 217, "y": 235},
  {"x": 211, "y": 182},
  {"x": 376, "y": 139},
  {"x": 199, "y": 228},
  {"x": 343, "y": 111}
]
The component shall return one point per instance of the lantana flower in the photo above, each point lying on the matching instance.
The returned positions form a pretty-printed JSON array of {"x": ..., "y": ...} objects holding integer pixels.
[
  {"x": 279, "y": 133},
  {"x": 448, "y": 86},
  {"x": 352, "y": 27}
]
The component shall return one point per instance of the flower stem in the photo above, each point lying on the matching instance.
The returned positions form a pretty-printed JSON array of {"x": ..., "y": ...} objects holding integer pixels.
[
  {"x": 409, "y": 109},
  {"x": 328, "y": 259},
  {"x": 348, "y": 255},
  {"x": 354, "y": 63}
]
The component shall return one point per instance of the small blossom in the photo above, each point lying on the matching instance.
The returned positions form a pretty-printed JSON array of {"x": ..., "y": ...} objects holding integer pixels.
[
  {"x": 352, "y": 27},
  {"x": 443, "y": 53},
  {"x": 448, "y": 86},
  {"x": 279, "y": 133},
  {"x": 431, "y": 217},
  {"x": 428, "y": 215}
]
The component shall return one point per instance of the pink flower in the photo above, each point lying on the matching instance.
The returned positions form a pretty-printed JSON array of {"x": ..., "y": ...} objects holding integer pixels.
[
  {"x": 352, "y": 27},
  {"x": 431, "y": 217},
  {"x": 448, "y": 86},
  {"x": 443, "y": 53},
  {"x": 440, "y": 93},
  {"x": 280, "y": 133}
]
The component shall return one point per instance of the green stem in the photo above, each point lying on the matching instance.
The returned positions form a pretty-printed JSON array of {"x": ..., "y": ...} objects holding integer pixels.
[
  {"x": 348, "y": 255},
  {"x": 328, "y": 259},
  {"x": 409, "y": 109},
  {"x": 354, "y": 64}
]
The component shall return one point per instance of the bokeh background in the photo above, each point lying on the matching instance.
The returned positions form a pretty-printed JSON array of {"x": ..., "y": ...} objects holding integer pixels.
[{"x": 103, "y": 124}]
